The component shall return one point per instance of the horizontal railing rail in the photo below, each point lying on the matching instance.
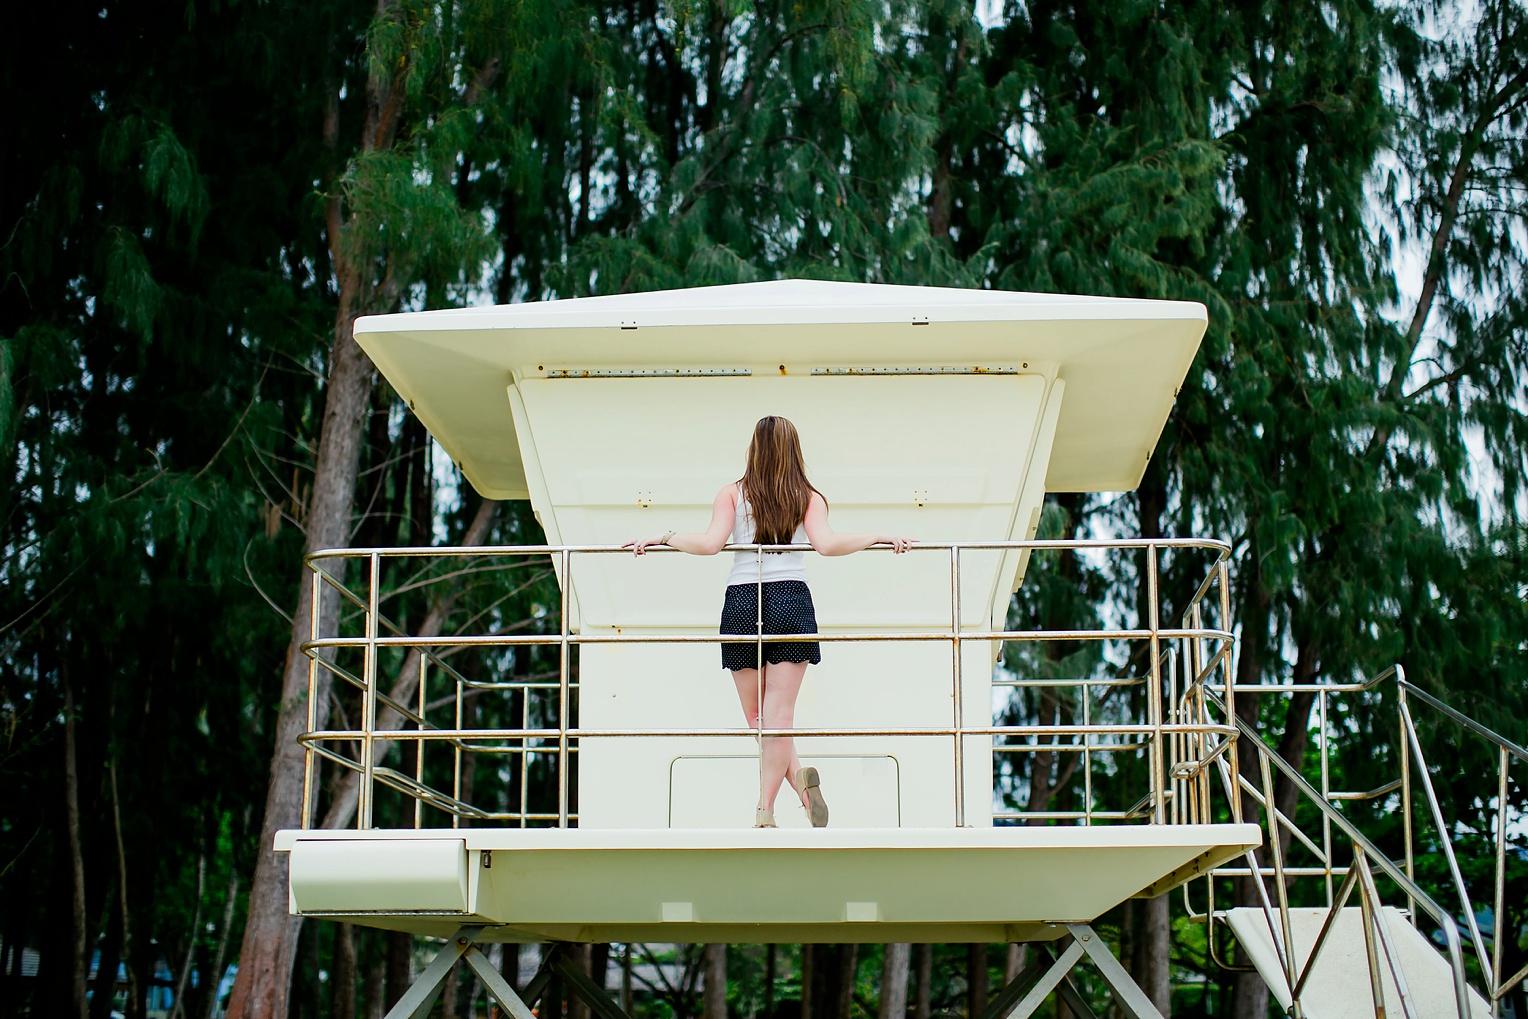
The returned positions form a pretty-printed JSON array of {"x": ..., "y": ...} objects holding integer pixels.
[{"x": 1174, "y": 730}]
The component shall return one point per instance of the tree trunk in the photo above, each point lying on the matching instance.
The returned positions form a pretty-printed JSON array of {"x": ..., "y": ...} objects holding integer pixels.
[
  {"x": 79, "y": 961},
  {"x": 509, "y": 965},
  {"x": 808, "y": 975},
  {"x": 448, "y": 994},
  {"x": 626, "y": 978},
  {"x": 270, "y": 932},
  {"x": 1249, "y": 995},
  {"x": 347, "y": 788},
  {"x": 215, "y": 975},
  {"x": 848, "y": 957},
  {"x": 714, "y": 993},
  {"x": 307, "y": 993},
  {"x": 894, "y": 982},
  {"x": 923, "y": 978},
  {"x": 134, "y": 988},
  {"x": 599, "y": 961},
  {"x": 373, "y": 1004},
  {"x": 577, "y": 1007},
  {"x": 770, "y": 951},
  {"x": 178, "y": 1003},
  {"x": 105, "y": 987},
  {"x": 976, "y": 980},
  {"x": 399, "y": 956},
  {"x": 1040, "y": 786},
  {"x": 1296, "y": 736},
  {"x": 1152, "y": 952},
  {"x": 1013, "y": 963},
  {"x": 342, "y": 984}
]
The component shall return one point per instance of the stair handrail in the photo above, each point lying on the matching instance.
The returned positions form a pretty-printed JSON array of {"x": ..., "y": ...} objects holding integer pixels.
[
  {"x": 1269, "y": 757},
  {"x": 1507, "y": 751}
]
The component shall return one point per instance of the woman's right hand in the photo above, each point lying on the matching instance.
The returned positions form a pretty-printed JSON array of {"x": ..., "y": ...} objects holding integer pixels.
[
  {"x": 898, "y": 543},
  {"x": 641, "y": 545}
]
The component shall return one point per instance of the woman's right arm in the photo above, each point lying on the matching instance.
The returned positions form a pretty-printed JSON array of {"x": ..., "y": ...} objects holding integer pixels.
[{"x": 707, "y": 542}]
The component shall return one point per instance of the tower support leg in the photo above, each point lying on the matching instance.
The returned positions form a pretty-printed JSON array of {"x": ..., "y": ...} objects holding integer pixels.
[
  {"x": 422, "y": 995},
  {"x": 1047, "y": 973}
]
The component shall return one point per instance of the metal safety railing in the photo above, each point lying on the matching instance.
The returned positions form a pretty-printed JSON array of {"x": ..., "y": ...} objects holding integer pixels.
[
  {"x": 1172, "y": 725},
  {"x": 1339, "y": 830}
]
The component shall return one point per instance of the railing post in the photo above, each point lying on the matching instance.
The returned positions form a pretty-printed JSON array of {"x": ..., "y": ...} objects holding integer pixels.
[
  {"x": 1276, "y": 847},
  {"x": 367, "y": 797},
  {"x": 1326, "y": 794},
  {"x": 1228, "y": 685},
  {"x": 960, "y": 721},
  {"x": 1175, "y": 741},
  {"x": 307, "y": 750},
  {"x": 1087, "y": 756},
  {"x": 419, "y": 747},
  {"x": 1406, "y": 834},
  {"x": 1154, "y": 697},
  {"x": 562, "y": 692},
  {"x": 456, "y": 763},
  {"x": 1368, "y": 907},
  {"x": 758, "y": 660},
  {"x": 1501, "y": 871}
]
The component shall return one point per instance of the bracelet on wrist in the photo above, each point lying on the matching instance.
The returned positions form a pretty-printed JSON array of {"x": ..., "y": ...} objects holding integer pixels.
[{"x": 666, "y": 537}]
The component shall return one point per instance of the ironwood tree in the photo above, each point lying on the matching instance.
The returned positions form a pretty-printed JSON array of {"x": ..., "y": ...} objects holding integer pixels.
[{"x": 197, "y": 202}]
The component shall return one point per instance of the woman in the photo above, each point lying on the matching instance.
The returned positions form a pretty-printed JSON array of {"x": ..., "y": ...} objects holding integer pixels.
[{"x": 773, "y": 504}]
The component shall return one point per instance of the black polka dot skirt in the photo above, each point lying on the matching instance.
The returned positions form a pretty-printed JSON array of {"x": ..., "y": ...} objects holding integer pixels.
[{"x": 787, "y": 609}]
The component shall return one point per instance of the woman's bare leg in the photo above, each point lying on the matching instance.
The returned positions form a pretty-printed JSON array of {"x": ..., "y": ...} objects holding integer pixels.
[
  {"x": 782, "y": 683},
  {"x": 749, "y": 695}
]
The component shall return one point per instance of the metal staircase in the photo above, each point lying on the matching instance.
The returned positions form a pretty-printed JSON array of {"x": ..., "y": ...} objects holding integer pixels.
[{"x": 1356, "y": 955}]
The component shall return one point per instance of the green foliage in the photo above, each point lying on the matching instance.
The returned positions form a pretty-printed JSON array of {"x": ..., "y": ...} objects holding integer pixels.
[{"x": 169, "y": 292}]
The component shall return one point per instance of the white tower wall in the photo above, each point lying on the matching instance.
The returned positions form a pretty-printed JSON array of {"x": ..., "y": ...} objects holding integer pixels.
[{"x": 942, "y": 457}]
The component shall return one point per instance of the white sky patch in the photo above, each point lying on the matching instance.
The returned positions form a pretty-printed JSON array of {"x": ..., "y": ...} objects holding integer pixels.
[
  {"x": 991, "y": 14},
  {"x": 449, "y": 488}
]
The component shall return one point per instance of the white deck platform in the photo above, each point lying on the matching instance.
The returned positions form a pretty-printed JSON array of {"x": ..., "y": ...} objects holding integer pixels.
[{"x": 782, "y": 885}]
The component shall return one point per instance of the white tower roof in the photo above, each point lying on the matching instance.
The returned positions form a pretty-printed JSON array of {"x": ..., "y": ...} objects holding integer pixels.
[{"x": 1122, "y": 360}]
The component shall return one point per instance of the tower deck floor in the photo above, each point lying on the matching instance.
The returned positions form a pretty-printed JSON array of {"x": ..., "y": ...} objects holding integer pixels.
[{"x": 752, "y": 885}]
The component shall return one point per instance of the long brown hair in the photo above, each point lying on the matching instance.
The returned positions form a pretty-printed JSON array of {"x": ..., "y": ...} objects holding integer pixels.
[{"x": 775, "y": 482}]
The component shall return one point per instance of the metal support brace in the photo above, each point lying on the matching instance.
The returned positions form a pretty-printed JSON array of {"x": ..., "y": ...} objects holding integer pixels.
[
  {"x": 543, "y": 975},
  {"x": 593, "y": 995},
  {"x": 1069, "y": 994},
  {"x": 1047, "y": 983},
  {"x": 1049, "y": 972},
  {"x": 498, "y": 987},
  {"x": 1002, "y": 1006},
  {"x": 1132, "y": 1000},
  {"x": 421, "y": 997}
]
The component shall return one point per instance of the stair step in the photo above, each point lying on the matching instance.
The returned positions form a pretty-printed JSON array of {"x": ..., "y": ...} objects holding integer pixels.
[{"x": 1339, "y": 988}]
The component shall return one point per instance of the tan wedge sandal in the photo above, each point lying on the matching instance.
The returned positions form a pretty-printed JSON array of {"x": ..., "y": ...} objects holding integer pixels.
[{"x": 810, "y": 786}]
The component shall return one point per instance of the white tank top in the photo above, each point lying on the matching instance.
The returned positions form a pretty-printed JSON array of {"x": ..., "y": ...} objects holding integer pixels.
[{"x": 776, "y": 565}]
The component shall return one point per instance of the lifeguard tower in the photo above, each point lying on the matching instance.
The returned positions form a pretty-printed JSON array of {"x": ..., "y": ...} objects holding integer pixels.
[{"x": 943, "y": 414}]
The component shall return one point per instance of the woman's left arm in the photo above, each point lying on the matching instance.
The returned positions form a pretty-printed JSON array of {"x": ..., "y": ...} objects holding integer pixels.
[{"x": 827, "y": 543}]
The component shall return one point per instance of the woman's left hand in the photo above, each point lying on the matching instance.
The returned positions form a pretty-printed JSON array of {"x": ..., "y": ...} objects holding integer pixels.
[{"x": 898, "y": 543}]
